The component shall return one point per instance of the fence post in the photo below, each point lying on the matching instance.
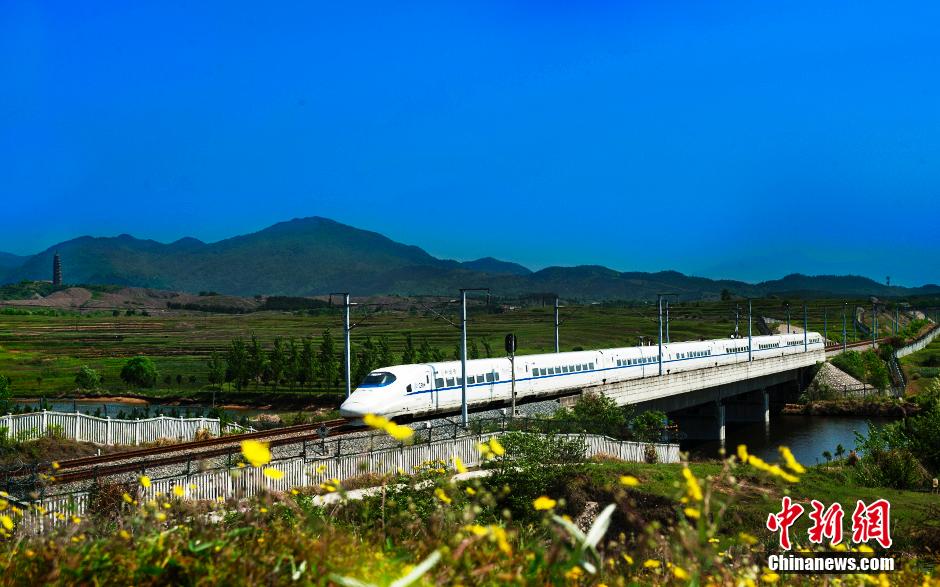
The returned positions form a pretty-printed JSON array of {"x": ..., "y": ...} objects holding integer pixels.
[
  {"x": 78, "y": 426},
  {"x": 109, "y": 439},
  {"x": 136, "y": 432},
  {"x": 42, "y": 427}
]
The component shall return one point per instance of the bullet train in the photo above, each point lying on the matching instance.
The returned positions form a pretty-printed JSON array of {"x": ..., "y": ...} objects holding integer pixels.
[{"x": 435, "y": 388}]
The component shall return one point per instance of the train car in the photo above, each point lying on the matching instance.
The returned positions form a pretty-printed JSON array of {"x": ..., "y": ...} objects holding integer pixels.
[{"x": 436, "y": 388}]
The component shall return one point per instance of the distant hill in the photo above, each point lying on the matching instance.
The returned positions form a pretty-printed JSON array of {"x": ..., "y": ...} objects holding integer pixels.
[
  {"x": 311, "y": 256},
  {"x": 10, "y": 261}
]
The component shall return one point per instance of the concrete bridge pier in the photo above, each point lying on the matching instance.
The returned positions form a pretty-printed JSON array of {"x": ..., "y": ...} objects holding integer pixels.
[
  {"x": 753, "y": 406},
  {"x": 702, "y": 422}
]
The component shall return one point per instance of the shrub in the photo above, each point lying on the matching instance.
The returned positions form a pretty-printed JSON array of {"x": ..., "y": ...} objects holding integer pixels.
[
  {"x": 87, "y": 378},
  {"x": 139, "y": 372}
]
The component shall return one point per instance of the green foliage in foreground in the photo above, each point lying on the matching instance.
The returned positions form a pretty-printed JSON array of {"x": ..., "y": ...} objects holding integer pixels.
[{"x": 654, "y": 525}]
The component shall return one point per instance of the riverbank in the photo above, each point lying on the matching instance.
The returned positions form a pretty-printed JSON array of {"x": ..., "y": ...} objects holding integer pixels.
[{"x": 864, "y": 407}]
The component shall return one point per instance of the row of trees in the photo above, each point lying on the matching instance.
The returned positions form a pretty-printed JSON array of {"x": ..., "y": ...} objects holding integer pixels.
[{"x": 292, "y": 362}]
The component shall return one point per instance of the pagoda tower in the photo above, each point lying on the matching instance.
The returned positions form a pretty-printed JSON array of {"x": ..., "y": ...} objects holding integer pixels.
[{"x": 56, "y": 269}]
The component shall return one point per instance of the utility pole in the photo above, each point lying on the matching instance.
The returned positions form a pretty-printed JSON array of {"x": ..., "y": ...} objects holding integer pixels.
[
  {"x": 825, "y": 326},
  {"x": 897, "y": 316},
  {"x": 511, "y": 350},
  {"x": 464, "y": 418},
  {"x": 737, "y": 314},
  {"x": 659, "y": 302},
  {"x": 750, "y": 352},
  {"x": 844, "y": 334},
  {"x": 557, "y": 347},
  {"x": 805, "y": 331},
  {"x": 347, "y": 353},
  {"x": 874, "y": 324},
  {"x": 788, "y": 317},
  {"x": 667, "y": 321}
]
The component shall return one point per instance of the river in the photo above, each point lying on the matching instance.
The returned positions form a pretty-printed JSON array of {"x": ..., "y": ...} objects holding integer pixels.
[{"x": 807, "y": 437}]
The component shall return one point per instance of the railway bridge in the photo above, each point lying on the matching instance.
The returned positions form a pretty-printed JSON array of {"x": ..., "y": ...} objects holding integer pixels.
[{"x": 702, "y": 401}]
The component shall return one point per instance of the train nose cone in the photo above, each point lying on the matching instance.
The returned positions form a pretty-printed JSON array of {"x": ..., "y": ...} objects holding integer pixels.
[{"x": 352, "y": 410}]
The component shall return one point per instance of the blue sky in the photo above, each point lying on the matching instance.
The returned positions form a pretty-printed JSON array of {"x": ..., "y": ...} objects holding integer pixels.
[{"x": 744, "y": 140}]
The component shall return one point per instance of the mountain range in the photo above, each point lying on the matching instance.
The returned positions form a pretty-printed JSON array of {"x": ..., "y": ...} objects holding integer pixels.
[{"x": 312, "y": 256}]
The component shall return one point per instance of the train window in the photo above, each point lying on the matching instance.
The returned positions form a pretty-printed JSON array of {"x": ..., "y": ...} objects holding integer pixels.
[
  {"x": 535, "y": 371},
  {"x": 377, "y": 379},
  {"x": 408, "y": 388},
  {"x": 564, "y": 369},
  {"x": 438, "y": 383},
  {"x": 491, "y": 377},
  {"x": 450, "y": 382},
  {"x": 460, "y": 381},
  {"x": 591, "y": 366},
  {"x": 471, "y": 380}
]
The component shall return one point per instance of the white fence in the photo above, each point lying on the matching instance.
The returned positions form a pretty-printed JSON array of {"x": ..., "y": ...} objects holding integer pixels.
[
  {"x": 299, "y": 472},
  {"x": 918, "y": 344},
  {"x": 85, "y": 428}
]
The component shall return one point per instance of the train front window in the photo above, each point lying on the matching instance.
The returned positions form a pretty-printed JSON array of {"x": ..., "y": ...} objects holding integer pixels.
[{"x": 378, "y": 379}]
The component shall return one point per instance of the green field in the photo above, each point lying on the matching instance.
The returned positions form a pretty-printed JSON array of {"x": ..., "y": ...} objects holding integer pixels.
[
  {"x": 922, "y": 366},
  {"x": 42, "y": 353}
]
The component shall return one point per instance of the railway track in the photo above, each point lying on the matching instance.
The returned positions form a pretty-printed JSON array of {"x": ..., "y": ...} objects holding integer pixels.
[{"x": 72, "y": 470}]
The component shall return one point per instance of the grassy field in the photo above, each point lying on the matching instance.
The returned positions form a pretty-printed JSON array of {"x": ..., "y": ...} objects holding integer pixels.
[
  {"x": 42, "y": 353},
  {"x": 920, "y": 367}
]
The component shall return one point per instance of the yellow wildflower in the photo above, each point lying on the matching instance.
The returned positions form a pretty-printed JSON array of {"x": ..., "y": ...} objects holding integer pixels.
[
  {"x": 651, "y": 564},
  {"x": 680, "y": 573},
  {"x": 321, "y": 469},
  {"x": 476, "y": 529},
  {"x": 76, "y": 520},
  {"x": 692, "y": 513},
  {"x": 458, "y": 465},
  {"x": 442, "y": 496},
  {"x": 178, "y": 490},
  {"x": 742, "y": 453},
  {"x": 161, "y": 517},
  {"x": 399, "y": 431},
  {"x": 124, "y": 534},
  {"x": 692, "y": 487},
  {"x": 55, "y": 465},
  {"x": 544, "y": 503},
  {"x": 791, "y": 461},
  {"x": 145, "y": 480},
  {"x": 256, "y": 453},
  {"x": 747, "y": 538},
  {"x": 272, "y": 473},
  {"x": 573, "y": 573},
  {"x": 629, "y": 480},
  {"x": 471, "y": 491},
  {"x": 628, "y": 559},
  {"x": 770, "y": 577},
  {"x": 7, "y": 522},
  {"x": 374, "y": 421},
  {"x": 866, "y": 549},
  {"x": 496, "y": 447},
  {"x": 128, "y": 498}
]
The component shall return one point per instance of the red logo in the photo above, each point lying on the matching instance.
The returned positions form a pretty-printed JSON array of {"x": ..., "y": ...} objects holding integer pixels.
[{"x": 869, "y": 522}]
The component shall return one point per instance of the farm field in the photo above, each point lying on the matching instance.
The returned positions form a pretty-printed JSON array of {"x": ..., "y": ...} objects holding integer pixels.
[{"x": 42, "y": 352}]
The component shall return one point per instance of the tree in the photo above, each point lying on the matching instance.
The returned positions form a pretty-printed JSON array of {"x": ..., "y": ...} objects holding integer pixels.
[
  {"x": 487, "y": 347},
  {"x": 256, "y": 360},
  {"x": 179, "y": 380},
  {"x": 595, "y": 413},
  {"x": 6, "y": 392},
  {"x": 277, "y": 361},
  {"x": 473, "y": 351},
  {"x": 840, "y": 450},
  {"x": 308, "y": 362},
  {"x": 384, "y": 353},
  {"x": 292, "y": 367},
  {"x": 216, "y": 366},
  {"x": 87, "y": 378},
  {"x": 425, "y": 351},
  {"x": 329, "y": 365},
  {"x": 648, "y": 426},
  {"x": 409, "y": 356},
  {"x": 237, "y": 364},
  {"x": 139, "y": 372},
  {"x": 366, "y": 359},
  {"x": 827, "y": 455}
]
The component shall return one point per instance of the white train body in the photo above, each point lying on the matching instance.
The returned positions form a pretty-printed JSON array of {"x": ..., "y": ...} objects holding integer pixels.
[{"x": 429, "y": 388}]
